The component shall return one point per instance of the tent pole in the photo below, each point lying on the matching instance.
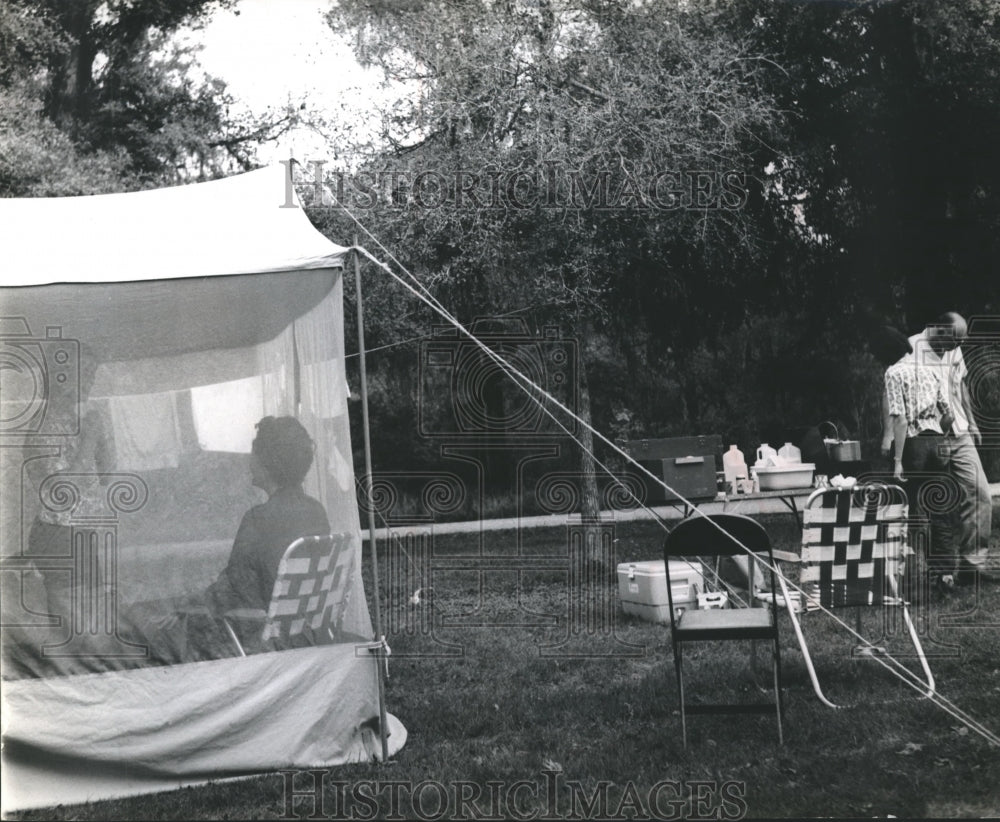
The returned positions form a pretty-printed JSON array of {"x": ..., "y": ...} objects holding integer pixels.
[{"x": 380, "y": 651}]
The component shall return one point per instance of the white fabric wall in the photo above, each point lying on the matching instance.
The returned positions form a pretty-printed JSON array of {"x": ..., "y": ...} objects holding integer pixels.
[{"x": 108, "y": 735}]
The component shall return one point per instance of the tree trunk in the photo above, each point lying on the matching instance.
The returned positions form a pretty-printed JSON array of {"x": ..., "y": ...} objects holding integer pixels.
[
  {"x": 72, "y": 70},
  {"x": 590, "y": 500}
]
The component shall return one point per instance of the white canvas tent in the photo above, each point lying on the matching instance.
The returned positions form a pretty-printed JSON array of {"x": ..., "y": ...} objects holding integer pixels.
[{"x": 203, "y": 308}]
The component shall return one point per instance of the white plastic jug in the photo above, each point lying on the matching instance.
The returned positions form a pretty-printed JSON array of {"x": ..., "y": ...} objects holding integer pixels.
[
  {"x": 790, "y": 453},
  {"x": 766, "y": 455},
  {"x": 734, "y": 464}
]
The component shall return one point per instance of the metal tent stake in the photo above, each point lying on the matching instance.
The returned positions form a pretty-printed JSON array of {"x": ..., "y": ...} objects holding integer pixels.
[{"x": 380, "y": 650}]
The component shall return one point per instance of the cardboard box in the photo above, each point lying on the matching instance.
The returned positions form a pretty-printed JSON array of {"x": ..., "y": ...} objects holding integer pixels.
[{"x": 642, "y": 587}]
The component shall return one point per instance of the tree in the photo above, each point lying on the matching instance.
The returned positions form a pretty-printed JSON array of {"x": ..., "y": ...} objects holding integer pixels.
[
  {"x": 867, "y": 190},
  {"x": 894, "y": 121},
  {"x": 100, "y": 96},
  {"x": 37, "y": 159},
  {"x": 891, "y": 163},
  {"x": 584, "y": 163}
]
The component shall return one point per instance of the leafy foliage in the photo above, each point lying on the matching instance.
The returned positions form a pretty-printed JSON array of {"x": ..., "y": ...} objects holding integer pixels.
[
  {"x": 862, "y": 142},
  {"x": 586, "y": 165},
  {"x": 100, "y": 97},
  {"x": 37, "y": 159}
]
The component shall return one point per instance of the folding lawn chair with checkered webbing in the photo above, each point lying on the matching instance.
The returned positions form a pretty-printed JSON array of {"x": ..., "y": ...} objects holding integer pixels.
[
  {"x": 309, "y": 597},
  {"x": 854, "y": 549}
]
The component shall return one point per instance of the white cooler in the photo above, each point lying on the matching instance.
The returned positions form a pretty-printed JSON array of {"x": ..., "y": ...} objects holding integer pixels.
[{"x": 642, "y": 587}]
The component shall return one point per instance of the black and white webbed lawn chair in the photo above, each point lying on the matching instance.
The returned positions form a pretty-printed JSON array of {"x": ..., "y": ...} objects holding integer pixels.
[
  {"x": 309, "y": 598},
  {"x": 854, "y": 550}
]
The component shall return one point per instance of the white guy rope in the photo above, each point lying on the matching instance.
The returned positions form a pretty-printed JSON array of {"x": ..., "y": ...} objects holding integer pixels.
[
  {"x": 421, "y": 292},
  {"x": 887, "y": 661}
]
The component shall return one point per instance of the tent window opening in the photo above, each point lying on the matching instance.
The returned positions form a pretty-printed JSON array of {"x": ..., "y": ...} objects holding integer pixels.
[{"x": 225, "y": 414}]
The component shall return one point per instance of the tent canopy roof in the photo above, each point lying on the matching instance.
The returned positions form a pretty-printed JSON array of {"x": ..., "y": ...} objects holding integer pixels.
[
  {"x": 244, "y": 224},
  {"x": 143, "y": 242}
]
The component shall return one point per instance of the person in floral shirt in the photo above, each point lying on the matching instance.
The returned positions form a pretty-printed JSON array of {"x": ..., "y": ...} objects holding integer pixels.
[{"x": 920, "y": 415}]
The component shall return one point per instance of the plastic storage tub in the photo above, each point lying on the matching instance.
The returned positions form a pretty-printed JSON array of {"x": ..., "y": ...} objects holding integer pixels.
[{"x": 774, "y": 478}]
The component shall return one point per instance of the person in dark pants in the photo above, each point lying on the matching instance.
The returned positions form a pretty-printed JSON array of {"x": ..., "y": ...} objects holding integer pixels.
[
  {"x": 938, "y": 348},
  {"x": 920, "y": 414}
]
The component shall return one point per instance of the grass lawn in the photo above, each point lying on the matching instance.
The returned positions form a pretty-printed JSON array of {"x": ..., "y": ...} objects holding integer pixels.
[{"x": 516, "y": 687}]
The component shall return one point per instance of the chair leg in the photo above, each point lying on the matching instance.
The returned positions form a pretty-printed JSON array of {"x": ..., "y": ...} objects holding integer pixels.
[
  {"x": 680, "y": 690},
  {"x": 234, "y": 637},
  {"x": 916, "y": 641},
  {"x": 920, "y": 652},
  {"x": 779, "y": 707},
  {"x": 803, "y": 646}
]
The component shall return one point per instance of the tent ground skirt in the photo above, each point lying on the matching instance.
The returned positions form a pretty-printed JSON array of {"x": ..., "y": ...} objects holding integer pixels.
[{"x": 155, "y": 729}]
